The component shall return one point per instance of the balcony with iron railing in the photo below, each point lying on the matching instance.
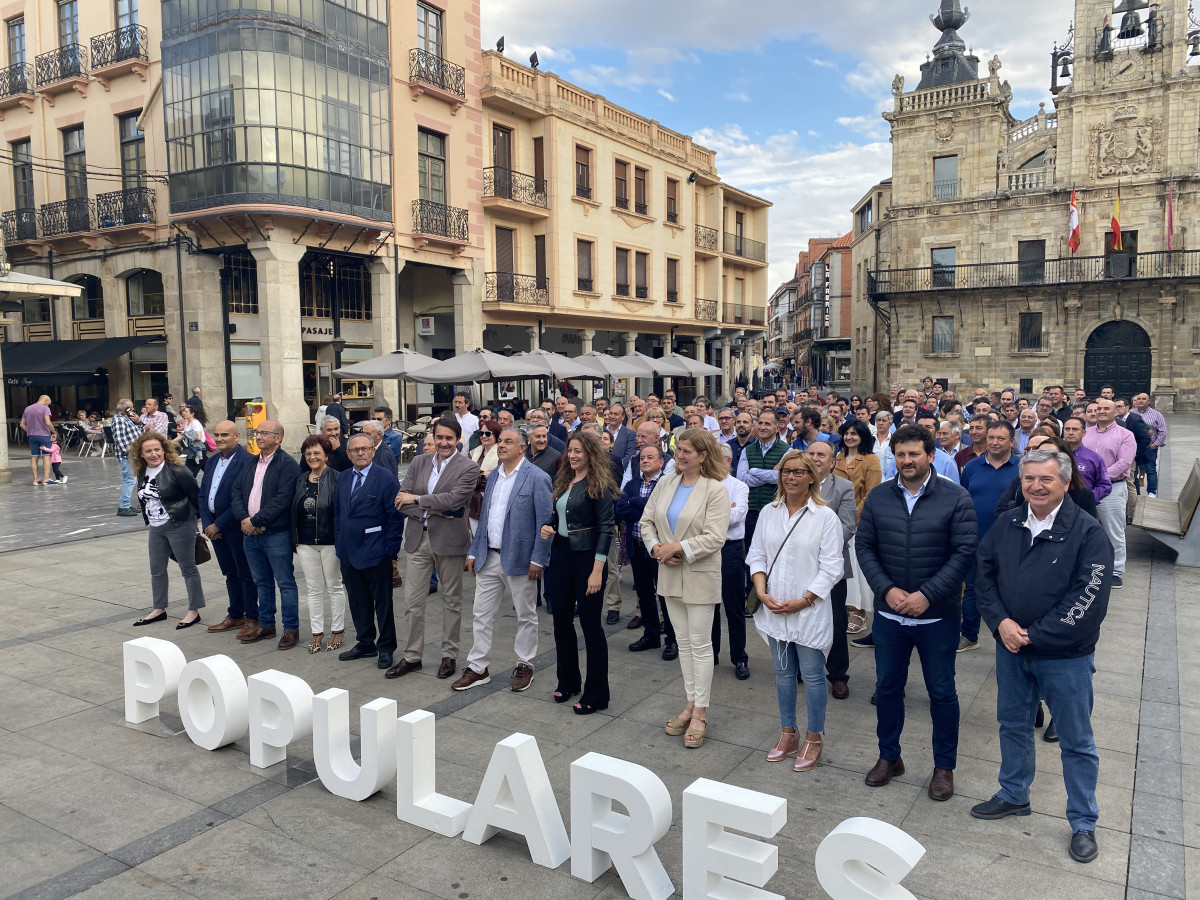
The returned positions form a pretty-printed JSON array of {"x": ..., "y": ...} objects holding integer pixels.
[
  {"x": 439, "y": 77},
  {"x": 706, "y": 310},
  {"x": 440, "y": 223},
  {"x": 743, "y": 314},
  {"x": 740, "y": 245},
  {"x": 505, "y": 187},
  {"x": 622, "y": 288},
  {"x": 1169, "y": 264},
  {"x": 15, "y": 81},
  {"x": 62, "y": 69},
  {"x": 131, "y": 206},
  {"x": 508, "y": 287},
  {"x": 19, "y": 225},
  {"x": 621, "y": 202},
  {"x": 943, "y": 191},
  {"x": 66, "y": 217},
  {"x": 707, "y": 240},
  {"x": 123, "y": 51},
  {"x": 642, "y": 292}
]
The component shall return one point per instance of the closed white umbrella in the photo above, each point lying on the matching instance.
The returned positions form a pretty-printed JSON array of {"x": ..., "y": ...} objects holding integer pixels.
[
  {"x": 483, "y": 365},
  {"x": 563, "y": 368}
]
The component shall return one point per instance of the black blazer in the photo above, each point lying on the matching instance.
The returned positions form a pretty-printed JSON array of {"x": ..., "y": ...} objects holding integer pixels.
[
  {"x": 222, "y": 516},
  {"x": 590, "y": 523},
  {"x": 279, "y": 486},
  {"x": 178, "y": 493},
  {"x": 326, "y": 511}
]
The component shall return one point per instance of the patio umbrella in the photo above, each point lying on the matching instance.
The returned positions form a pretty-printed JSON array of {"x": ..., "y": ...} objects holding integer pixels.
[
  {"x": 483, "y": 365},
  {"x": 563, "y": 368},
  {"x": 686, "y": 366},
  {"x": 397, "y": 364},
  {"x": 633, "y": 366}
]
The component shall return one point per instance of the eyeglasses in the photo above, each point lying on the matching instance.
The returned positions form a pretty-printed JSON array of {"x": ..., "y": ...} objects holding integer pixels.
[
  {"x": 262, "y": 433},
  {"x": 317, "y": 452},
  {"x": 362, "y": 450},
  {"x": 792, "y": 473}
]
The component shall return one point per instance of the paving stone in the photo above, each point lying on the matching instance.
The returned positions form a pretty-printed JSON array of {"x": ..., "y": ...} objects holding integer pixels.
[
  {"x": 34, "y": 852},
  {"x": 1157, "y": 866},
  {"x": 26, "y": 765},
  {"x": 1160, "y": 818}
]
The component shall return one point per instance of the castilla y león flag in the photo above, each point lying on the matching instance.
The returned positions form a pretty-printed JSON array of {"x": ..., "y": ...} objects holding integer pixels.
[{"x": 1073, "y": 225}]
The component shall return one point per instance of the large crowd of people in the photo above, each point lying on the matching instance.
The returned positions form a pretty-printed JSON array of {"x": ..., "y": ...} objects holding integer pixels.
[{"x": 905, "y": 520}]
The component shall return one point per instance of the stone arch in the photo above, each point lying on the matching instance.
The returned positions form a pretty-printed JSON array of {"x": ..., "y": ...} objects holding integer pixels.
[{"x": 1118, "y": 352}]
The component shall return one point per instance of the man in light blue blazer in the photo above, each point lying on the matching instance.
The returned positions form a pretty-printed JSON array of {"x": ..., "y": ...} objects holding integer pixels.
[{"x": 508, "y": 551}]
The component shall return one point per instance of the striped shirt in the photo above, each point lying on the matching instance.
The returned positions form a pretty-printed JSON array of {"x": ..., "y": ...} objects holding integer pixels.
[
  {"x": 1154, "y": 420},
  {"x": 644, "y": 493}
]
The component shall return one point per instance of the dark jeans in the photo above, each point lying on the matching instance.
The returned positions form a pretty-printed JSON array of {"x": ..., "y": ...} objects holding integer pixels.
[
  {"x": 1151, "y": 468},
  {"x": 270, "y": 558},
  {"x": 239, "y": 580},
  {"x": 1066, "y": 685},
  {"x": 970, "y": 609},
  {"x": 837, "y": 660},
  {"x": 733, "y": 564},
  {"x": 567, "y": 579},
  {"x": 645, "y": 584},
  {"x": 369, "y": 595},
  {"x": 937, "y": 646}
]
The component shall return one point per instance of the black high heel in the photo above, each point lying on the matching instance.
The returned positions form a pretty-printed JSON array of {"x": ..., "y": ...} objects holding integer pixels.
[
  {"x": 561, "y": 696},
  {"x": 586, "y": 709}
]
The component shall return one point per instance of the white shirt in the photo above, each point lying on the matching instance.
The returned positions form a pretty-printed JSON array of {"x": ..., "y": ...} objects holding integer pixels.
[
  {"x": 435, "y": 472},
  {"x": 711, "y": 425},
  {"x": 667, "y": 469},
  {"x": 1036, "y": 526},
  {"x": 470, "y": 424},
  {"x": 739, "y": 506},
  {"x": 221, "y": 463},
  {"x": 498, "y": 511}
]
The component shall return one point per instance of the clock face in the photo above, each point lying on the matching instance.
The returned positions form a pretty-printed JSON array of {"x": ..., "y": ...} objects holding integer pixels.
[{"x": 1127, "y": 68}]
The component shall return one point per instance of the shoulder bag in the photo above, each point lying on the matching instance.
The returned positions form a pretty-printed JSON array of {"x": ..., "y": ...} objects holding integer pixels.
[{"x": 752, "y": 600}]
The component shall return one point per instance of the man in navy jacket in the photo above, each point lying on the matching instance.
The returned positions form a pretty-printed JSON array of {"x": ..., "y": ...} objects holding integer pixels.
[
  {"x": 1043, "y": 582},
  {"x": 916, "y": 541},
  {"x": 367, "y": 533},
  {"x": 223, "y": 529}
]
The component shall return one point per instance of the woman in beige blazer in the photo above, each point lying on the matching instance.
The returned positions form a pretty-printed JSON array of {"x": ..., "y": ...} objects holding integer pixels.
[{"x": 683, "y": 527}]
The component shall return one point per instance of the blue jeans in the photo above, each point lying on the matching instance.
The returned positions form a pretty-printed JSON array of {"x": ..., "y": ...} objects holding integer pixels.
[
  {"x": 270, "y": 558},
  {"x": 128, "y": 482},
  {"x": 1151, "y": 468},
  {"x": 970, "y": 609},
  {"x": 937, "y": 646},
  {"x": 790, "y": 659},
  {"x": 1066, "y": 686}
]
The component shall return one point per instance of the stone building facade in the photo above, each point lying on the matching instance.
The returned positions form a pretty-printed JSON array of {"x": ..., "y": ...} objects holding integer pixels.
[{"x": 967, "y": 273}]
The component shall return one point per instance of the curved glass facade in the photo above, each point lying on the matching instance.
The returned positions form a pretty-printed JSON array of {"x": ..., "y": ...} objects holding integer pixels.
[{"x": 278, "y": 101}]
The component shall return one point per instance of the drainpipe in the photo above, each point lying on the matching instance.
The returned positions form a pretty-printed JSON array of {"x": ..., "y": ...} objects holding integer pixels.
[{"x": 182, "y": 322}]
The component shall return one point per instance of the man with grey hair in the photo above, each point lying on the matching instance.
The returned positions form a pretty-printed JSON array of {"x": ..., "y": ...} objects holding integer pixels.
[
  {"x": 125, "y": 428},
  {"x": 1044, "y": 575},
  {"x": 384, "y": 457},
  {"x": 538, "y": 417}
]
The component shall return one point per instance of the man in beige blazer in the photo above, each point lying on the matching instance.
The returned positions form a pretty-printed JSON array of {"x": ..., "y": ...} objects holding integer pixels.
[{"x": 434, "y": 494}]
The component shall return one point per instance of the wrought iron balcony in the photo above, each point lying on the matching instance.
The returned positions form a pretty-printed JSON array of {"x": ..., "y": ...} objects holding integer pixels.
[
  {"x": 743, "y": 314},
  {"x": 740, "y": 245},
  {"x": 622, "y": 289},
  {"x": 673, "y": 217},
  {"x": 505, "y": 184},
  {"x": 621, "y": 202},
  {"x": 1078, "y": 270},
  {"x": 125, "y": 44},
  {"x": 584, "y": 191},
  {"x": 672, "y": 296},
  {"x": 441, "y": 220},
  {"x": 132, "y": 206},
  {"x": 68, "y": 61},
  {"x": 437, "y": 72},
  {"x": 66, "y": 217},
  {"x": 642, "y": 292},
  {"x": 941, "y": 191},
  {"x": 641, "y": 208},
  {"x": 706, "y": 310},
  {"x": 707, "y": 238},
  {"x": 506, "y": 287},
  {"x": 16, "y": 79},
  {"x": 585, "y": 284},
  {"x": 19, "y": 225}
]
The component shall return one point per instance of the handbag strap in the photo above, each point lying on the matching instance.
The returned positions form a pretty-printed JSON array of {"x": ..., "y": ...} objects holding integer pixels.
[{"x": 803, "y": 513}]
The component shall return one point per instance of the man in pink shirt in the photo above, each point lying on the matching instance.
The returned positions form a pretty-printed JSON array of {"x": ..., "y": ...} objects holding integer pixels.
[
  {"x": 39, "y": 427},
  {"x": 1116, "y": 447}
]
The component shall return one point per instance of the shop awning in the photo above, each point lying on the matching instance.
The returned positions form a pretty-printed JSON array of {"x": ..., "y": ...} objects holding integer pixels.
[{"x": 63, "y": 362}]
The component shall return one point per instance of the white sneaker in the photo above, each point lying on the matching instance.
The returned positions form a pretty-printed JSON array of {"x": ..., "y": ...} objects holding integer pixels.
[
  {"x": 1152, "y": 496},
  {"x": 63, "y": 480}
]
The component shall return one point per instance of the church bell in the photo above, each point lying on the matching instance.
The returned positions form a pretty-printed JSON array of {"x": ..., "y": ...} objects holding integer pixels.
[{"x": 1131, "y": 22}]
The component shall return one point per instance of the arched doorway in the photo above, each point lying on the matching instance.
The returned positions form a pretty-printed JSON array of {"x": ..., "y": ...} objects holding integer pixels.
[{"x": 1118, "y": 353}]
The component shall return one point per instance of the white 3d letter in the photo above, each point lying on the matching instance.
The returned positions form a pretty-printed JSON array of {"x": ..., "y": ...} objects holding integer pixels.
[
  {"x": 417, "y": 799},
  {"x": 212, "y": 701},
  {"x": 864, "y": 859},
  {"x": 336, "y": 767},
  {"x": 516, "y": 795},
  {"x": 280, "y": 712},
  {"x": 152, "y": 668},
  {"x": 710, "y": 853},
  {"x": 602, "y": 837}
]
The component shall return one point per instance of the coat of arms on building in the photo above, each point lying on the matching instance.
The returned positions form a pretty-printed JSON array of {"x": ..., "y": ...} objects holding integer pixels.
[{"x": 1128, "y": 147}]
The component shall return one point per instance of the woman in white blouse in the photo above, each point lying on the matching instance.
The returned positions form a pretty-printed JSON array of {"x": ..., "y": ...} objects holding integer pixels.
[
  {"x": 883, "y": 438},
  {"x": 795, "y": 560}
]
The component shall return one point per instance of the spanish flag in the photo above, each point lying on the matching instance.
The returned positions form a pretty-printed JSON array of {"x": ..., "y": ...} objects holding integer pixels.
[{"x": 1116, "y": 224}]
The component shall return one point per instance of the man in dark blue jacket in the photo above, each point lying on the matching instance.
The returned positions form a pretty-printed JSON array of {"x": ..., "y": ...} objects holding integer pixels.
[
  {"x": 367, "y": 533},
  {"x": 915, "y": 543},
  {"x": 222, "y": 528},
  {"x": 629, "y": 508},
  {"x": 1045, "y": 572}
]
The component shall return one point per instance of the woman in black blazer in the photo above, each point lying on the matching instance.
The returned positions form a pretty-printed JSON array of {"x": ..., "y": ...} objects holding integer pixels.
[
  {"x": 168, "y": 495},
  {"x": 582, "y": 529}
]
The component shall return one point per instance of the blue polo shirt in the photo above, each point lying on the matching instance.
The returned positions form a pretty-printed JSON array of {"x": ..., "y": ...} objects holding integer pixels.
[{"x": 985, "y": 483}]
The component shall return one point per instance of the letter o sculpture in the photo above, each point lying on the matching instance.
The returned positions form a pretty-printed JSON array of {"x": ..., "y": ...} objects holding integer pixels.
[{"x": 213, "y": 702}]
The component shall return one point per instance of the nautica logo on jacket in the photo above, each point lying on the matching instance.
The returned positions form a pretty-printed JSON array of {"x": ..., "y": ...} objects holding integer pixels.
[{"x": 1089, "y": 595}]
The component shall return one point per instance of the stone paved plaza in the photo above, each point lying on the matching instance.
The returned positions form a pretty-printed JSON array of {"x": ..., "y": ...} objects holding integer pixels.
[{"x": 92, "y": 807}]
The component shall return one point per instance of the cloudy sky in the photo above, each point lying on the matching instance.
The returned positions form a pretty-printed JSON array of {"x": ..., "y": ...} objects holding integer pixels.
[{"x": 787, "y": 91}]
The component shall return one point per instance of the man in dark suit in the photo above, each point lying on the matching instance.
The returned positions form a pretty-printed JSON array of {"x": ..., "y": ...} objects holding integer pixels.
[
  {"x": 262, "y": 503},
  {"x": 384, "y": 456},
  {"x": 337, "y": 411},
  {"x": 368, "y": 530},
  {"x": 332, "y": 429},
  {"x": 624, "y": 440},
  {"x": 540, "y": 453},
  {"x": 221, "y": 527},
  {"x": 538, "y": 417}
]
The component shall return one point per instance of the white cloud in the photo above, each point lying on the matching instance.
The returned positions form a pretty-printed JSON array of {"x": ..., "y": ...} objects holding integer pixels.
[
  {"x": 813, "y": 191},
  {"x": 873, "y": 127},
  {"x": 666, "y": 94},
  {"x": 738, "y": 96},
  {"x": 823, "y": 63}
]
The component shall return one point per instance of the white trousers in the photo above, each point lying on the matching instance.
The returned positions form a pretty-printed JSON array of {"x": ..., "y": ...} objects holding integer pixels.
[
  {"x": 1112, "y": 516},
  {"x": 693, "y": 634},
  {"x": 323, "y": 576},
  {"x": 858, "y": 591},
  {"x": 490, "y": 582}
]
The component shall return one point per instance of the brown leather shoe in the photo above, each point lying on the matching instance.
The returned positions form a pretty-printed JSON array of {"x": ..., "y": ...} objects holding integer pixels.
[
  {"x": 884, "y": 771},
  {"x": 402, "y": 668},
  {"x": 226, "y": 624},
  {"x": 289, "y": 640},
  {"x": 258, "y": 634},
  {"x": 941, "y": 785},
  {"x": 471, "y": 678},
  {"x": 522, "y": 677},
  {"x": 397, "y": 581},
  {"x": 841, "y": 690},
  {"x": 248, "y": 627},
  {"x": 448, "y": 667}
]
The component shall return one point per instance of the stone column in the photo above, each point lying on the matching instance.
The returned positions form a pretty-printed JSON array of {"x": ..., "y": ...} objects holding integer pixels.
[
  {"x": 5, "y": 474},
  {"x": 535, "y": 342},
  {"x": 468, "y": 307},
  {"x": 586, "y": 336},
  {"x": 1073, "y": 374},
  {"x": 726, "y": 366},
  {"x": 206, "y": 345},
  {"x": 282, "y": 353},
  {"x": 383, "y": 325},
  {"x": 1163, "y": 368}
]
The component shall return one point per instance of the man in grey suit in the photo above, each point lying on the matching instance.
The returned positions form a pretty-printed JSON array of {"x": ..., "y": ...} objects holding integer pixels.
[
  {"x": 508, "y": 551},
  {"x": 435, "y": 493},
  {"x": 839, "y": 493},
  {"x": 623, "y": 438}
]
